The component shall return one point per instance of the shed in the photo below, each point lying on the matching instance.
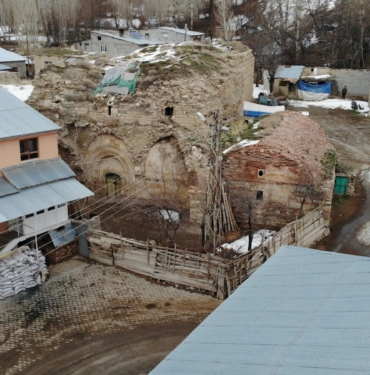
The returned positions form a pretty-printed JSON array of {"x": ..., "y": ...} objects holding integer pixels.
[
  {"x": 303, "y": 311},
  {"x": 286, "y": 78},
  {"x": 13, "y": 61}
]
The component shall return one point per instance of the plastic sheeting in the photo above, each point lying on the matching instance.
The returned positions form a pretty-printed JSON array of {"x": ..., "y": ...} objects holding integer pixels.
[
  {"x": 64, "y": 236},
  {"x": 314, "y": 92},
  {"x": 258, "y": 110},
  {"x": 114, "y": 77}
]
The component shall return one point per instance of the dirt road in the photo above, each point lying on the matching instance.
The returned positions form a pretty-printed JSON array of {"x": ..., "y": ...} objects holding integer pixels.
[{"x": 350, "y": 134}]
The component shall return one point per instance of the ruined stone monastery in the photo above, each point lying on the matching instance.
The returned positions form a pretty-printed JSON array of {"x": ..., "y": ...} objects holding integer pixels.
[{"x": 154, "y": 139}]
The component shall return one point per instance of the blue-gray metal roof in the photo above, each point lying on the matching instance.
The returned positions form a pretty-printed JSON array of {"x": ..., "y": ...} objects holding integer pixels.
[
  {"x": 8, "y": 56},
  {"x": 303, "y": 312},
  {"x": 289, "y": 71},
  {"x": 41, "y": 197},
  {"x": 182, "y": 31},
  {"x": 5, "y": 67},
  {"x": 6, "y": 188},
  {"x": 37, "y": 172},
  {"x": 18, "y": 119},
  {"x": 127, "y": 38}
]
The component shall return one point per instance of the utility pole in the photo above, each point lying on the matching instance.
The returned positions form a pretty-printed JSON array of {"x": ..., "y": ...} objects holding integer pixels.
[{"x": 218, "y": 217}]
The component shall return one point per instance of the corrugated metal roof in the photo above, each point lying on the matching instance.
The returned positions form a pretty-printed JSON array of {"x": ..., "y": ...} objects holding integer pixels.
[
  {"x": 6, "y": 188},
  {"x": 303, "y": 312},
  {"x": 38, "y": 198},
  {"x": 126, "y": 38},
  {"x": 19, "y": 119},
  {"x": 5, "y": 67},
  {"x": 182, "y": 31},
  {"x": 37, "y": 172},
  {"x": 8, "y": 56},
  {"x": 289, "y": 71}
]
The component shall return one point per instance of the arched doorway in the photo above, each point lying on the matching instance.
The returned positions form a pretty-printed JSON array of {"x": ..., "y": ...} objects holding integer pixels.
[{"x": 113, "y": 184}]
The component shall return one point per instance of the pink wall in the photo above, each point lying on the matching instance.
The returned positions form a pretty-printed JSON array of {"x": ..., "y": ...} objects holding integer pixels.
[{"x": 10, "y": 153}]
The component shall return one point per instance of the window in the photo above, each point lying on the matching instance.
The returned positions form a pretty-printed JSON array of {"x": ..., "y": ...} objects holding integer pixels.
[
  {"x": 168, "y": 111},
  {"x": 261, "y": 173},
  {"x": 99, "y": 37},
  {"x": 51, "y": 208},
  {"x": 40, "y": 212},
  {"x": 28, "y": 216},
  {"x": 61, "y": 205},
  {"x": 283, "y": 83},
  {"x": 29, "y": 149},
  {"x": 103, "y": 49},
  {"x": 259, "y": 195}
]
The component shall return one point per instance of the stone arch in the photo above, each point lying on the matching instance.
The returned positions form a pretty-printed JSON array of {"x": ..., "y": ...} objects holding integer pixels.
[
  {"x": 109, "y": 155},
  {"x": 166, "y": 174}
]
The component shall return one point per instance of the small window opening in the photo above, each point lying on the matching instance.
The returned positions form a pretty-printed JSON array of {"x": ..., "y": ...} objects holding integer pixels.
[
  {"x": 99, "y": 37},
  {"x": 110, "y": 110},
  {"x": 51, "y": 208},
  {"x": 261, "y": 173},
  {"x": 259, "y": 195},
  {"x": 29, "y": 149},
  {"x": 168, "y": 111},
  {"x": 40, "y": 212},
  {"x": 29, "y": 215}
]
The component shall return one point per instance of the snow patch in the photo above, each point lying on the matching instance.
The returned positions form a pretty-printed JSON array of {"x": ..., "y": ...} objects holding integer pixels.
[
  {"x": 170, "y": 215},
  {"x": 331, "y": 104},
  {"x": 241, "y": 245},
  {"x": 22, "y": 92},
  {"x": 363, "y": 235},
  {"x": 258, "y": 90},
  {"x": 241, "y": 144}
]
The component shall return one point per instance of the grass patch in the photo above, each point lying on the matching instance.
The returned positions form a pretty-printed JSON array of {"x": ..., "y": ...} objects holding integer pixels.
[{"x": 329, "y": 161}]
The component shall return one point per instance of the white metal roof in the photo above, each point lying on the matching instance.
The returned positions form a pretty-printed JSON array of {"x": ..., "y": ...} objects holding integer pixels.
[
  {"x": 303, "y": 312},
  {"x": 37, "y": 198},
  {"x": 182, "y": 31},
  {"x": 19, "y": 119},
  {"x": 8, "y": 56},
  {"x": 127, "y": 38},
  {"x": 289, "y": 71}
]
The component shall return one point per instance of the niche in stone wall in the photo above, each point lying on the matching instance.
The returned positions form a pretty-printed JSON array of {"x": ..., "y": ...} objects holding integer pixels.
[{"x": 166, "y": 174}]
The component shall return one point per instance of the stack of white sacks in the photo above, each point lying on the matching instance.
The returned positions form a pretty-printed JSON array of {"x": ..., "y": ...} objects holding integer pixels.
[{"x": 23, "y": 270}]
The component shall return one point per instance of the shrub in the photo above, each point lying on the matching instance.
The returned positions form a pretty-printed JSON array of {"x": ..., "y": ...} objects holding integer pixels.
[{"x": 83, "y": 65}]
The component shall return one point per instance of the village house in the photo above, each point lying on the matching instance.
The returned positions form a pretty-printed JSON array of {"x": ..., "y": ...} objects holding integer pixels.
[
  {"x": 36, "y": 185},
  {"x": 284, "y": 175},
  {"x": 175, "y": 35},
  {"x": 15, "y": 62},
  {"x": 116, "y": 43}
]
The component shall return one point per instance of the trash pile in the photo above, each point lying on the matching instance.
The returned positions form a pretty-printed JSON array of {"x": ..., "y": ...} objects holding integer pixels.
[{"x": 25, "y": 269}]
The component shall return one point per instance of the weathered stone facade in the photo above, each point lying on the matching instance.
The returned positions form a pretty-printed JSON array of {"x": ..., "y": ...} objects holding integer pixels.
[
  {"x": 134, "y": 137},
  {"x": 282, "y": 177}
]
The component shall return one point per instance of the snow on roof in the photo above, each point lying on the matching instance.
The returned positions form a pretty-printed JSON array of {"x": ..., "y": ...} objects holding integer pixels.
[{"x": 322, "y": 76}]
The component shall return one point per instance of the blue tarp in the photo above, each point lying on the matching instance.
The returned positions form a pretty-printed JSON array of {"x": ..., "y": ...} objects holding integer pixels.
[{"x": 314, "y": 92}]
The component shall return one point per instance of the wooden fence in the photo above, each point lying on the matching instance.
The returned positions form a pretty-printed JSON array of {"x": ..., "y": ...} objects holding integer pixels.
[{"x": 202, "y": 271}]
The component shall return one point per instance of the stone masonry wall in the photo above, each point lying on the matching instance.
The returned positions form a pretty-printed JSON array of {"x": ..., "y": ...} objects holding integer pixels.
[{"x": 90, "y": 136}]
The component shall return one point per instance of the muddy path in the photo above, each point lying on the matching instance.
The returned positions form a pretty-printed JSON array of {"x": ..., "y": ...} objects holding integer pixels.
[{"x": 349, "y": 133}]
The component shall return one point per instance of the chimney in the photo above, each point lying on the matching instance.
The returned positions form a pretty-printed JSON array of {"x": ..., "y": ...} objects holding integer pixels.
[{"x": 120, "y": 32}]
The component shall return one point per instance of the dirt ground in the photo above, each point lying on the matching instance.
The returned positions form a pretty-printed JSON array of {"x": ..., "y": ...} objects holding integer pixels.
[{"x": 93, "y": 319}]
